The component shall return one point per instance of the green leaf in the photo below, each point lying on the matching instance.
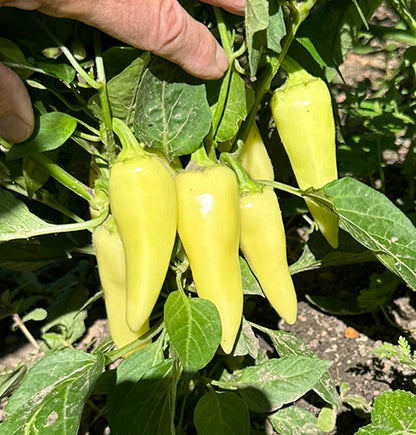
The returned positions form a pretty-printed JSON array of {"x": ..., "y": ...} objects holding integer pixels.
[
  {"x": 327, "y": 419},
  {"x": 66, "y": 321},
  {"x": 122, "y": 89},
  {"x": 287, "y": 344},
  {"x": 128, "y": 373},
  {"x": 247, "y": 343},
  {"x": 274, "y": 383},
  {"x": 149, "y": 406},
  {"x": 51, "y": 398},
  {"x": 172, "y": 112},
  {"x": 37, "y": 314},
  {"x": 11, "y": 53},
  {"x": 394, "y": 412},
  {"x": 249, "y": 281},
  {"x": 374, "y": 221},
  {"x": 61, "y": 71},
  {"x": 379, "y": 293},
  {"x": 332, "y": 28},
  {"x": 221, "y": 414},
  {"x": 9, "y": 381},
  {"x": 276, "y": 30},
  {"x": 17, "y": 222},
  {"x": 25, "y": 255},
  {"x": 52, "y": 130},
  {"x": 294, "y": 421},
  {"x": 35, "y": 177},
  {"x": 256, "y": 19},
  {"x": 194, "y": 327},
  {"x": 240, "y": 98},
  {"x": 317, "y": 254}
]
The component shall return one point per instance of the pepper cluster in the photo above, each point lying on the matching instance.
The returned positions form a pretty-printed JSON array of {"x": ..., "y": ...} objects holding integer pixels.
[{"x": 218, "y": 211}]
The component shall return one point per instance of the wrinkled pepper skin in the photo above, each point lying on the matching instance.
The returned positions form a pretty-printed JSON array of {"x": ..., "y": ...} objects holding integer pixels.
[
  {"x": 143, "y": 202},
  {"x": 302, "y": 111},
  {"x": 209, "y": 228},
  {"x": 254, "y": 157},
  {"x": 112, "y": 271},
  {"x": 263, "y": 244}
]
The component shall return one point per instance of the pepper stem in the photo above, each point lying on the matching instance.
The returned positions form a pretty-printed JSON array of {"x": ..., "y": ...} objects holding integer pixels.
[
  {"x": 129, "y": 143},
  {"x": 200, "y": 157},
  {"x": 246, "y": 184},
  {"x": 297, "y": 75}
]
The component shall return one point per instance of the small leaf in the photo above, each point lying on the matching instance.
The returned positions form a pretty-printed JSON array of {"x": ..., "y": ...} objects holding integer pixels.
[
  {"x": 61, "y": 71},
  {"x": 37, "y": 315},
  {"x": 11, "y": 53},
  {"x": 52, "y": 396},
  {"x": 239, "y": 101},
  {"x": 287, "y": 344},
  {"x": 394, "y": 412},
  {"x": 221, "y": 414},
  {"x": 294, "y": 421},
  {"x": 194, "y": 327},
  {"x": 52, "y": 130},
  {"x": 327, "y": 419},
  {"x": 250, "y": 283},
  {"x": 374, "y": 221},
  {"x": 122, "y": 89},
  {"x": 256, "y": 19},
  {"x": 274, "y": 383},
  {"x": 172, "y": 112},
  {"x": 247, "y": 343}
]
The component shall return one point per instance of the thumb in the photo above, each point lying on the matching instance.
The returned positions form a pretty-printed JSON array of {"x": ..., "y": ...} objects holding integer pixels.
[{"x": 16, "y": 114}]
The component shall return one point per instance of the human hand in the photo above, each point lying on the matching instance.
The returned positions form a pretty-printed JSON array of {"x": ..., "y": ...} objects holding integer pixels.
[
  {"x": 160, "y": 26},
  {"x": 16, "y": 114}
]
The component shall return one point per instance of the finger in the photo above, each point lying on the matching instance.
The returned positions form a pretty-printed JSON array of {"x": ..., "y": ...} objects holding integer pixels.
[
  {"x": 16, "y": 114},
  {"x": 189, "y": 43},
  {"x": 160, "y": 26},
  {"x": 233, "y": 6}
]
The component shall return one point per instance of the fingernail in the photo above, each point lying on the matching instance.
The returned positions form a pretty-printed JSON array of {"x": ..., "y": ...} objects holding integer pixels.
[
  {"x": 221, "y": 59},
  {"x": 13, "y": 129}
]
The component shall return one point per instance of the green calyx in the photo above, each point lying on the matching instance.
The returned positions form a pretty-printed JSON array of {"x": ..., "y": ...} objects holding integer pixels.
[{"x": 246, "y": 184}]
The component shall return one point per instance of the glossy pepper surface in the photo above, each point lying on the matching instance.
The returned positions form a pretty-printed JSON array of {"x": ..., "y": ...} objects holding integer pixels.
[
  {"x": 112, "y": 271},
  {"x": 209, "y": 228},
  {"x": 254, "y": 156},
  {"x": 143, "y": 202},
  {"x": 302, "y": 111},
  {"x": 263, "y": 244}
]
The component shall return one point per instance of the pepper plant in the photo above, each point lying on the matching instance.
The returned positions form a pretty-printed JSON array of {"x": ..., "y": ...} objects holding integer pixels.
[{"x": 139, "y": 167}]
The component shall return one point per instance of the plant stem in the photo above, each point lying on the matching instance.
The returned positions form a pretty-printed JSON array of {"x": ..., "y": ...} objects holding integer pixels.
[
  {"x": 245, "y": 183},
  {"x": 114, "y": 355},
  {"x": 225, "y": 85},
  {"x": 105, "y": 103},
  {"x": 128, "y": 141},
  {"x": 281, "y": 186},
  {"x": 223, "y": 31},
  {"x": 75, "y": 64},
  {"x": 274, "y": 64},
  {"x": 63, "y": 177},
  {"x": 20, "y": 324}
]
